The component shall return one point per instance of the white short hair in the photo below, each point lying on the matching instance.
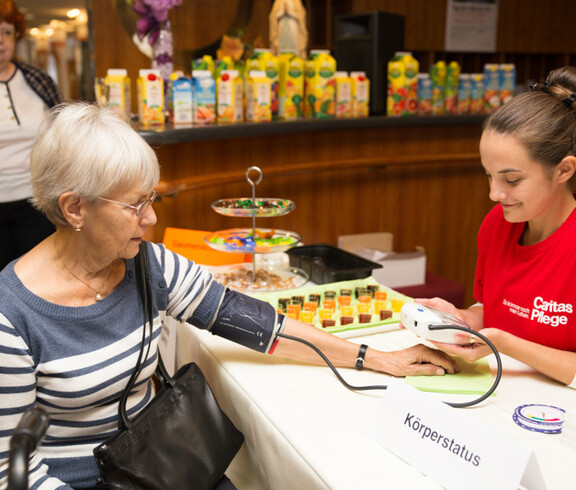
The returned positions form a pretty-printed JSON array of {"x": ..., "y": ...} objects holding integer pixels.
[{"x": 90, "y": 151}]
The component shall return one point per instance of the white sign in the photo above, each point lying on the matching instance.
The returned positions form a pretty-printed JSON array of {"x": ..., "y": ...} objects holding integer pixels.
[
  {"x": 450, "y": 446},
  {"x": 471, "y": 25}
]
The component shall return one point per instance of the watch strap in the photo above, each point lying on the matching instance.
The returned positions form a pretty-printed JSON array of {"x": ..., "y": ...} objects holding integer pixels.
[{"x": 360, "y": 358}]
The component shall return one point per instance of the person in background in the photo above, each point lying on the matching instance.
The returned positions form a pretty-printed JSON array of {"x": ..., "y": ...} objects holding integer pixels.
[
  {"x": 70, "y": 314},
  {"x": 26, "y": 94},
  {"x": 526, "y": 269}
]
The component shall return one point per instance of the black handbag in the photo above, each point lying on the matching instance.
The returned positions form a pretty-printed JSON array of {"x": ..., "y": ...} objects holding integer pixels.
[{"x": 181, "y": 440}]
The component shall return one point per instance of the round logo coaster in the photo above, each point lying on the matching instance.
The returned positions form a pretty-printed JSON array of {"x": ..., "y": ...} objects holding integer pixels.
[{"x": 540, "y": 418}]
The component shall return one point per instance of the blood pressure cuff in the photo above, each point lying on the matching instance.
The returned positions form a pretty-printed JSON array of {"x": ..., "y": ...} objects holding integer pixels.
[{"x": 247, "y": 321}]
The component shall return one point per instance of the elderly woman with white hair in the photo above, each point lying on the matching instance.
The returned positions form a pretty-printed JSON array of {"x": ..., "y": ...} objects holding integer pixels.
[{"x": 70, "y": 314}]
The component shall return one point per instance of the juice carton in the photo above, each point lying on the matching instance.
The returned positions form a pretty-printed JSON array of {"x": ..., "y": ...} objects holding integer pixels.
[
  {"x": 360, "y": 94},
  {"x": 411, "y": 79},
  {"x": 402, "y": 85},
  {"x": 204, "y": 63},
  {"x": 226, "y": 63},
  {"x": 319, "y": 85},
  {"x": 204, "y": 97},
  {"x": 118, "y": 90},
  {"x": 264, "y": 60},
  {"x": 229, "y": 97},
  {"x": 477, "y": 93},
  {"x": 258, "y": 97},
  {"x": 150, "y": 97},
  {"x": 290, "y": 86},
  {"x": 438, "y": 75},
  {"x": 424, "y": 94},
  {"x": 452, "y": 87},
  {"x": 179, "y": 99},
  {"x": 491, "y": 87},
  {"x": 343, "y": 94},
  {"x": 507, "y": 81},
  {"x": 464, "y": 93},
  {"x": 396, "y": 97}
]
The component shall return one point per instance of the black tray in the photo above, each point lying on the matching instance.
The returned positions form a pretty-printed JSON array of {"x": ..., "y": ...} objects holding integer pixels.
[{"x": 326, "y": 263}]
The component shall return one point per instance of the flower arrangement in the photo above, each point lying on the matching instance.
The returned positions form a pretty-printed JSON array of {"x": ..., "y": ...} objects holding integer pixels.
[{"x": 152, "y": 15}]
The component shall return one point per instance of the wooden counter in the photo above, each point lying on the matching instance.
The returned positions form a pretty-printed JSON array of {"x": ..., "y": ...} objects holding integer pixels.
[{"x": 419, "y": 178}]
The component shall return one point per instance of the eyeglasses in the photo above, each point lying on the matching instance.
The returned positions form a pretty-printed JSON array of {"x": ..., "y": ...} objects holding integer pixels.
[{"x": 140, "y": 207}]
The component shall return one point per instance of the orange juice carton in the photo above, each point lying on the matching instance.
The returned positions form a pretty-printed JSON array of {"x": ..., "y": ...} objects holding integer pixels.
[
  {"x": 204, "y": 63},
  {"x": 464, "y": 93},
  {"x": 402, "y": 98},
  {"x": 320, "y": 85},
  {"x": 452, "y": 86},
  {"x": 229, "y": 97},
  {"x": 258, "y": 97},
  {"x": 507, "y": 81},
  {"x": 477, "y": 93},
  {"x": 118, "y": 89},
  {"x": 424, "y": 94},
  {"x": 290, "y": 86},
  {"x": 179, "y": 99},
  {"x": 204, "y": 106},
  {"x": 360, "y": 94},
  {"x": 438, "y": 74},
  {"x": 150, "y": 98},
  {"x": 491, "y": 87},
  {"x": 264, "y": 60},
  {"x": 343, "y": 94}
]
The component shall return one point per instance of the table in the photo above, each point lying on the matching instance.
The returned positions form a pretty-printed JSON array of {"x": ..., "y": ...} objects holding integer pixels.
[{"x": 304, "y": 430}]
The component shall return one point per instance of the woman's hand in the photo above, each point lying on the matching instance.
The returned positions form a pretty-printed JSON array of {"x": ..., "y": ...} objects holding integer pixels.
[
  {"x": 471, "y": 348},
  {"x": 416, "y": 360}
]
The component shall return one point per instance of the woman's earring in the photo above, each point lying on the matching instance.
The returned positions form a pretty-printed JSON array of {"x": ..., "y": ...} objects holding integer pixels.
[{"x": 78, "y": 227}]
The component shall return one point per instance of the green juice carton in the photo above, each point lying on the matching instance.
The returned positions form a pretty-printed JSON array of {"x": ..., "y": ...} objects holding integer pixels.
[
  {"x": 438, "y": 76},
  {"x": 402, "y": 97},
  {"x": 320, "y": 85},
  {"x": 264, "y": 60},
  {"x": 204, "y": 106},
  {"x": 290, "y": 86},
  {"x": 360, "y": 94},
  {"x": 205, "y": 63},
  {"x": 229, "y": 97},
  {"x": 452, "y": 87},
  {"x": 258, "y": 97}
]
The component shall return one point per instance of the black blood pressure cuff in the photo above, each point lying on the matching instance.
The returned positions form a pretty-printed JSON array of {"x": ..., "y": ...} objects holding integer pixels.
[{"x": 247, "y": 321}]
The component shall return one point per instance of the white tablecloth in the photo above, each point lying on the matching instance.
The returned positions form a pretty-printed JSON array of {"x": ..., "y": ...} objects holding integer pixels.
[{"x": 304, "y": 430}]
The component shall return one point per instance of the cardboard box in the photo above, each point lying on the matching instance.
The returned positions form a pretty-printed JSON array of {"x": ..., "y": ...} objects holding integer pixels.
[{"x": 399, "y": 269}]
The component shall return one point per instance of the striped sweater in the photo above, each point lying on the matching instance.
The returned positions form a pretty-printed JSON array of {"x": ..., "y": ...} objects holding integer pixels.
[{"x": 75, "y": 362}]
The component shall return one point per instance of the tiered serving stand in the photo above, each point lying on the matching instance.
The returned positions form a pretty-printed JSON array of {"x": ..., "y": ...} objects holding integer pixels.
[{"x": 255, "y": 241}]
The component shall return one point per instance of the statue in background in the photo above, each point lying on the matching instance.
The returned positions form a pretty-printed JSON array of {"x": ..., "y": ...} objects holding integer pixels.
[{"x": 288, "y": 27}]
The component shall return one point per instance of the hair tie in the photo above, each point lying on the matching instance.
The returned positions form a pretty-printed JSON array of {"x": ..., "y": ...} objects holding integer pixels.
[{"x": 568, "y": 101}]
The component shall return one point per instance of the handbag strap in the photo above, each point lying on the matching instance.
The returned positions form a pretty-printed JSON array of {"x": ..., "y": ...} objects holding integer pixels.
[{"x": 145, "y": 289}]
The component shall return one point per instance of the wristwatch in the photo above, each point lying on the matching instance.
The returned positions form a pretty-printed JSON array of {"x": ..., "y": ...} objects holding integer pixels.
[{"x": 360, "y": 358}]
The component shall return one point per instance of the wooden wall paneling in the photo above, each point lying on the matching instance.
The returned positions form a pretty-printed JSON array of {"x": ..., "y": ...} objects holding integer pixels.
[{"x": 435, "y": 205}]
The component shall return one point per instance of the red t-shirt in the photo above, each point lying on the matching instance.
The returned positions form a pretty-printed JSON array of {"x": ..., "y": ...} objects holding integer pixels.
[{"x": 529, "y": 291}]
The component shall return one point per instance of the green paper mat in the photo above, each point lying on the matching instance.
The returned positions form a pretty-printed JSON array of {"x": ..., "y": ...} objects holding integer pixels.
[
  {"x": 473, "y": 379},
  {"x": 273, "y": 298}
]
